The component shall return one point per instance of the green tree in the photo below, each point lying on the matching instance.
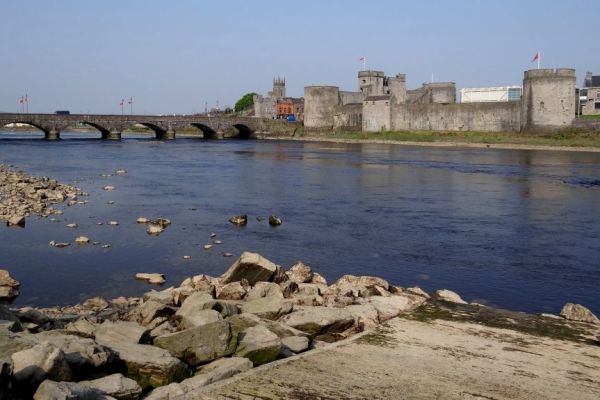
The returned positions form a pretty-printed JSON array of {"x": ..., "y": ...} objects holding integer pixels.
[{"x": 246, "y": 101}]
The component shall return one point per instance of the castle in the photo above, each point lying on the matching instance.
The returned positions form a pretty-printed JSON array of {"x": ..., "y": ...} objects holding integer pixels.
[
  {"x": 383, "y": 103},
  {"x": 276, "y": 105}
]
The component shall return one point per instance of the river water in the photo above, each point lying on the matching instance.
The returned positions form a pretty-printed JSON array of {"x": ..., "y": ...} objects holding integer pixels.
[{"x": 510, "y": 228}]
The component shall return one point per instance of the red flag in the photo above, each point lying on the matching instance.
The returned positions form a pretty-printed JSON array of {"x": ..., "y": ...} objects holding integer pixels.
[
  {"x": 122, "y": 102},
  {"x": 536, "y": 56},
  {"x": 130, "y": 100},
  {"x": 21, "y": 100},
  {"x": 362, "y": 58}
]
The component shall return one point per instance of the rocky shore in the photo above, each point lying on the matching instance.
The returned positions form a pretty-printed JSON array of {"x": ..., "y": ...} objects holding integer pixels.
[
  {"x": 22, "y": 194},
  {"x": 169, "y": 344}
]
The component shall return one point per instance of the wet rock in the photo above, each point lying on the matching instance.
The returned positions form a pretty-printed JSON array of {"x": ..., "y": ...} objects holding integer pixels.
[
  {"x": 259, "y": 345},
  {"x": 201, "y": 344},
  {"x": 227, "y": 254},
  {"x": 187, "y": 257},
  {"x": 117, "y": 386},
  {"x": 59, "y": 245},
  {"x": 208, "y": 246},
  {"x": 40, "y": 362},
  {"x": 108, "y": 188},
  {"x": 16, "y": 220},
  {"x": 120, "y": 172},
  {"x": 449, "y": 296},
  {"x": 250, "y": 266},
  {"x": 113, "y": 223},
  {"x": 154, "y": 230},
  {"x": 300, "y": 273},
  {"x": 274, "y": 220},
  {"x": 267, "y": 307},
  {"x": 9, "y": 287},
  {"x": 577, "y": 312},
  {"x": 71, "y": 226},
  {"x": 153, "y": 278},
  {"x": 162, "y": 222},
  {"x": 142, "y": 220},
  {"x": 239, "y": 220},
  {"x": 82, "y": 240}
]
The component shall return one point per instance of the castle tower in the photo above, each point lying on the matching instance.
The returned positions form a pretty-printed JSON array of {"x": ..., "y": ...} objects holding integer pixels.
[
  {"x": 371, "y": 82},
  {"x": 397, "y": 86},
  {"x": 548, "y": 101},
  {"x": 278, "y": 88}
]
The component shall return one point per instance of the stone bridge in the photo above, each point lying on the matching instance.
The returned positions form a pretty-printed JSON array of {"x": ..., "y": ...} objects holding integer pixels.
[{"x": 164, "y": 126}]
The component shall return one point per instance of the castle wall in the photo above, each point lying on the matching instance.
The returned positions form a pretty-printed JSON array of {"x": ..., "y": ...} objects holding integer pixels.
[
  {"x": 348, "y": 117},
  {"x": 320, "y": 103},
  {"x": 377, "y": 114},
  {"x": 351, "y": 97},
  {"x": 548, "y": 101},
  {"x": 481, "y": 117}
]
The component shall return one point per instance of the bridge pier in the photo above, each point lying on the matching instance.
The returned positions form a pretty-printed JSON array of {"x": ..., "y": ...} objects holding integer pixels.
[
  {"x": 112, "y": 135},
  {"x": 52, "y": 134},
  {"x": 169, "y": 134}
]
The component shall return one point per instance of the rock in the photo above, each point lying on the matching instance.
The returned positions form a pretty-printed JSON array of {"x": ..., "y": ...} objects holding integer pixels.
[
  {"x": 311, "y": 289},
  {"x": 259, "y": 345},
  {"x": 289, "y": 288},
  {"x": 207, "y": 246},
  {"x": 142, "y": 220},
  {"x": 196, "y": 302},
  {"x": 162, "y": 222},
  {"x": 113, "y": 223},
  {"x": 239, "y": 220},
  {"x": 199, "y": 318},
  {"x": 82, "y": 327},
  {"x": 318, "y": 279},
  {"x": 279, "y": 276},
  {"x": 264, "y": 289},
  {"x": 117, "y": 386},
  {"x": 227, "y": 254},
  {"x": 53, "y": 390},
  {"x": 154, "y": 230},
  {"x": 449, "y": 296},
  {"x": 71, "y": 225},
  {"x": 120, "y": 332},
  {"x": 231, "y": 291},
  {"x": 213, "y": 235},
  {"x": 274, "y": 220},
  {"x": 164, "y": 296},
  {"x": 82, "y": 240},
  {"x": 58, "y": 244},
  {"x": 149, "y": 365},
  {"x": 108, "y": 188},
  {"x": 120, "y": 172},
  {"x": 151, "y": 309},
  {"x": 268, "y": 307},
  {"x": 250, "y": 266},
  {"x": 296, "y": 344},
  {"x": 9, "y": 287},
  {"x": 319, "y": 320},
  {"x": 217, "y": 242},
  {"x": 417, "y": 291},
  {"x": 187, "y": 257},
  {"x": 366, "y": 281},
  {"x": 200, "y": 344},
  {"x": 153, "y": 278},
  {"x": 311, "y": 300},
  {"x": 300, "y": 273},
  {"x": 16, "y": 220},
  {"x": 42, "y": 361},
  {"x": 390, "y": 307},
  {"x": 82, "y": 354},
  {"x": 577, "y": 312}
]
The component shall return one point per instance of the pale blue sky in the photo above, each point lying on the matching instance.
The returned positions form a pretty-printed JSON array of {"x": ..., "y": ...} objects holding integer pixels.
[{"x": 172, "y": 56}]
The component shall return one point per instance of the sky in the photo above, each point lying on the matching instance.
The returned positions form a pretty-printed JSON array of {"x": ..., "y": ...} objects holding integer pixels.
[{"x": 177, "y": 56}]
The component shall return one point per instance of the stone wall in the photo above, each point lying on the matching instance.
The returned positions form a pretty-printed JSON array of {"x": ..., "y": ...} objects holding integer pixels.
[
  {"x": 482, "y": 117},
  {"x": 377, "y": 114},
  {"x": 351, "y": 97},
  {"x": 348, "y": 117},
  {"x": 320, "y": 103}
]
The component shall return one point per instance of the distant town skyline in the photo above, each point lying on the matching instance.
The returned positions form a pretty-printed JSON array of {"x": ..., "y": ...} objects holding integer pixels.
[{"x": 176, "y": 57}]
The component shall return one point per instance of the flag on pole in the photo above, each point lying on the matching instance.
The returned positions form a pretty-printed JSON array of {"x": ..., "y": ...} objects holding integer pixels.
[
  {"x": 26, "y": 100},
  {"x": 122, "y": 102},
  {"x": 130, "y": 100},
  {"x": 22, "y": 100},
  {"x": 364, "y": 60},
  {"x": 536, "y": 56}
]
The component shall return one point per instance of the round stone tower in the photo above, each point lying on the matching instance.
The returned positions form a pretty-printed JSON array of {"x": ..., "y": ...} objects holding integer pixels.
[
  {"x": 319, "y": 106},
  {"x": 548, "y": 101}
]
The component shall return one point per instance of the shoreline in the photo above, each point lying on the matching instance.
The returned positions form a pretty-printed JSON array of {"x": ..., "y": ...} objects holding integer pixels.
[{"x": 468, "y": 145}]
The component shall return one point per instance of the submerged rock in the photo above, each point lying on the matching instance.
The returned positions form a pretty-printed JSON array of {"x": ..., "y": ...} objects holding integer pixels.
[
  {"x": 153, "y": 278},
  {"x": 154, "y": 230},
  {"x": 274, "y": 220},
  {"x": 239, "y": 220},
  {"x": 82, "y": 240}
]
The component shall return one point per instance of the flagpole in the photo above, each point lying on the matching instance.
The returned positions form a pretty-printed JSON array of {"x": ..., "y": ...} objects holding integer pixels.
[
  {"x": 364, "y": 63},
  {"x": 539, "y": 59}
]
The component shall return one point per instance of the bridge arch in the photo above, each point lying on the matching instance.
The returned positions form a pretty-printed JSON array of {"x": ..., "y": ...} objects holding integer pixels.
[
  {"x": 207, "y": 131},
  {"x": 159, "y": 132},
  {"x": 43, "y": 129},
  {"x": 244, "y": 131}
]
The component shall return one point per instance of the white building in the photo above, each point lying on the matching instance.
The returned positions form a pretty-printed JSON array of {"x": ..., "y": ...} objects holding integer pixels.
[{"x": 490, "y": 94}]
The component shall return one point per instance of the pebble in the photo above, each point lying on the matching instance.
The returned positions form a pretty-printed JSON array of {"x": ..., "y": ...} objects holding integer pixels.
[
  {"x": 217, "y": 242},
  {"x": 95, "y": 243},
  {"x": 207, "y": 246}
]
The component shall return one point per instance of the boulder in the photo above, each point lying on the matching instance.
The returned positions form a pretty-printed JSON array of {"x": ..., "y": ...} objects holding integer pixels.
[
  {"x": 319, "y": 320},
  {"x": 79, "y": 352},
  {"x": 310, "y": 300},
  {"x": 151, "y": 309},
  {"x": 199, "y": 318},
  {"x": 50, "y": 389},
  {"x": 417, "y": 291},
  {"x": 9, "y": 287},
  {"x": 82, "y": 240},
  {"x": 280, "y": 276},
  {"x": 239, "y": 220},
  {"x": 117, "y": 386},
  {"x": 365, "y": 316},
  {"x": 264, "y": 289},
  {"x": 40, "y": 362},
  {"x": 154, "y": 230},
  {"x": 16, "y": 220},
  {"x": 120, "y": 332},
  {"x": 295, "y": 344},
  {"x": 311, "y": 289},
  {"x": 149, "y": 365},
  {"x": 390, "y": 307},
  {"x": 164, "y": 296},
  {"x": 200, "y": 344},
  {"x": 289, "y": 288},
  {"x": 231, "y": 291},
  {"x": 267, "y": 307},
  {"x": 577, "y": 312},
  {"x": 83, "y": 327},
  {"x": 274, "y": 220},
  {"x": 365, "y": 281},
  {"x": 318, "y": 279},
  {"x": 250, "y": 266},
  {"x": 155, "y": 279},
  {"x": 259, "y": 345},
  {"x": 194, "y": 303},
  {"x": 300, "y": 273},
  {"x": 449, "y": 296}
]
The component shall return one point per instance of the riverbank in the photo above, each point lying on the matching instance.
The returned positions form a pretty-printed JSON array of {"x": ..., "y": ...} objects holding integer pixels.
[{"x": 572, "y": 140}]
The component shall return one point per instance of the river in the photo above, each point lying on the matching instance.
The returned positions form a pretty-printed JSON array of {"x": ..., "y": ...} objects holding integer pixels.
[{"x": 510, "y": 228}]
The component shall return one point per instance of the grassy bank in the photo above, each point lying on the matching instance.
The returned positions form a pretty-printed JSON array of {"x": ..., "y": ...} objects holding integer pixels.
[{"x": 566, "y": 138}]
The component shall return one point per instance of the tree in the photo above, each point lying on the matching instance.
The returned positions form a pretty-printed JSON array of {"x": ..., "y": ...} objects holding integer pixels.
[{"x": 246, "y": 101}]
